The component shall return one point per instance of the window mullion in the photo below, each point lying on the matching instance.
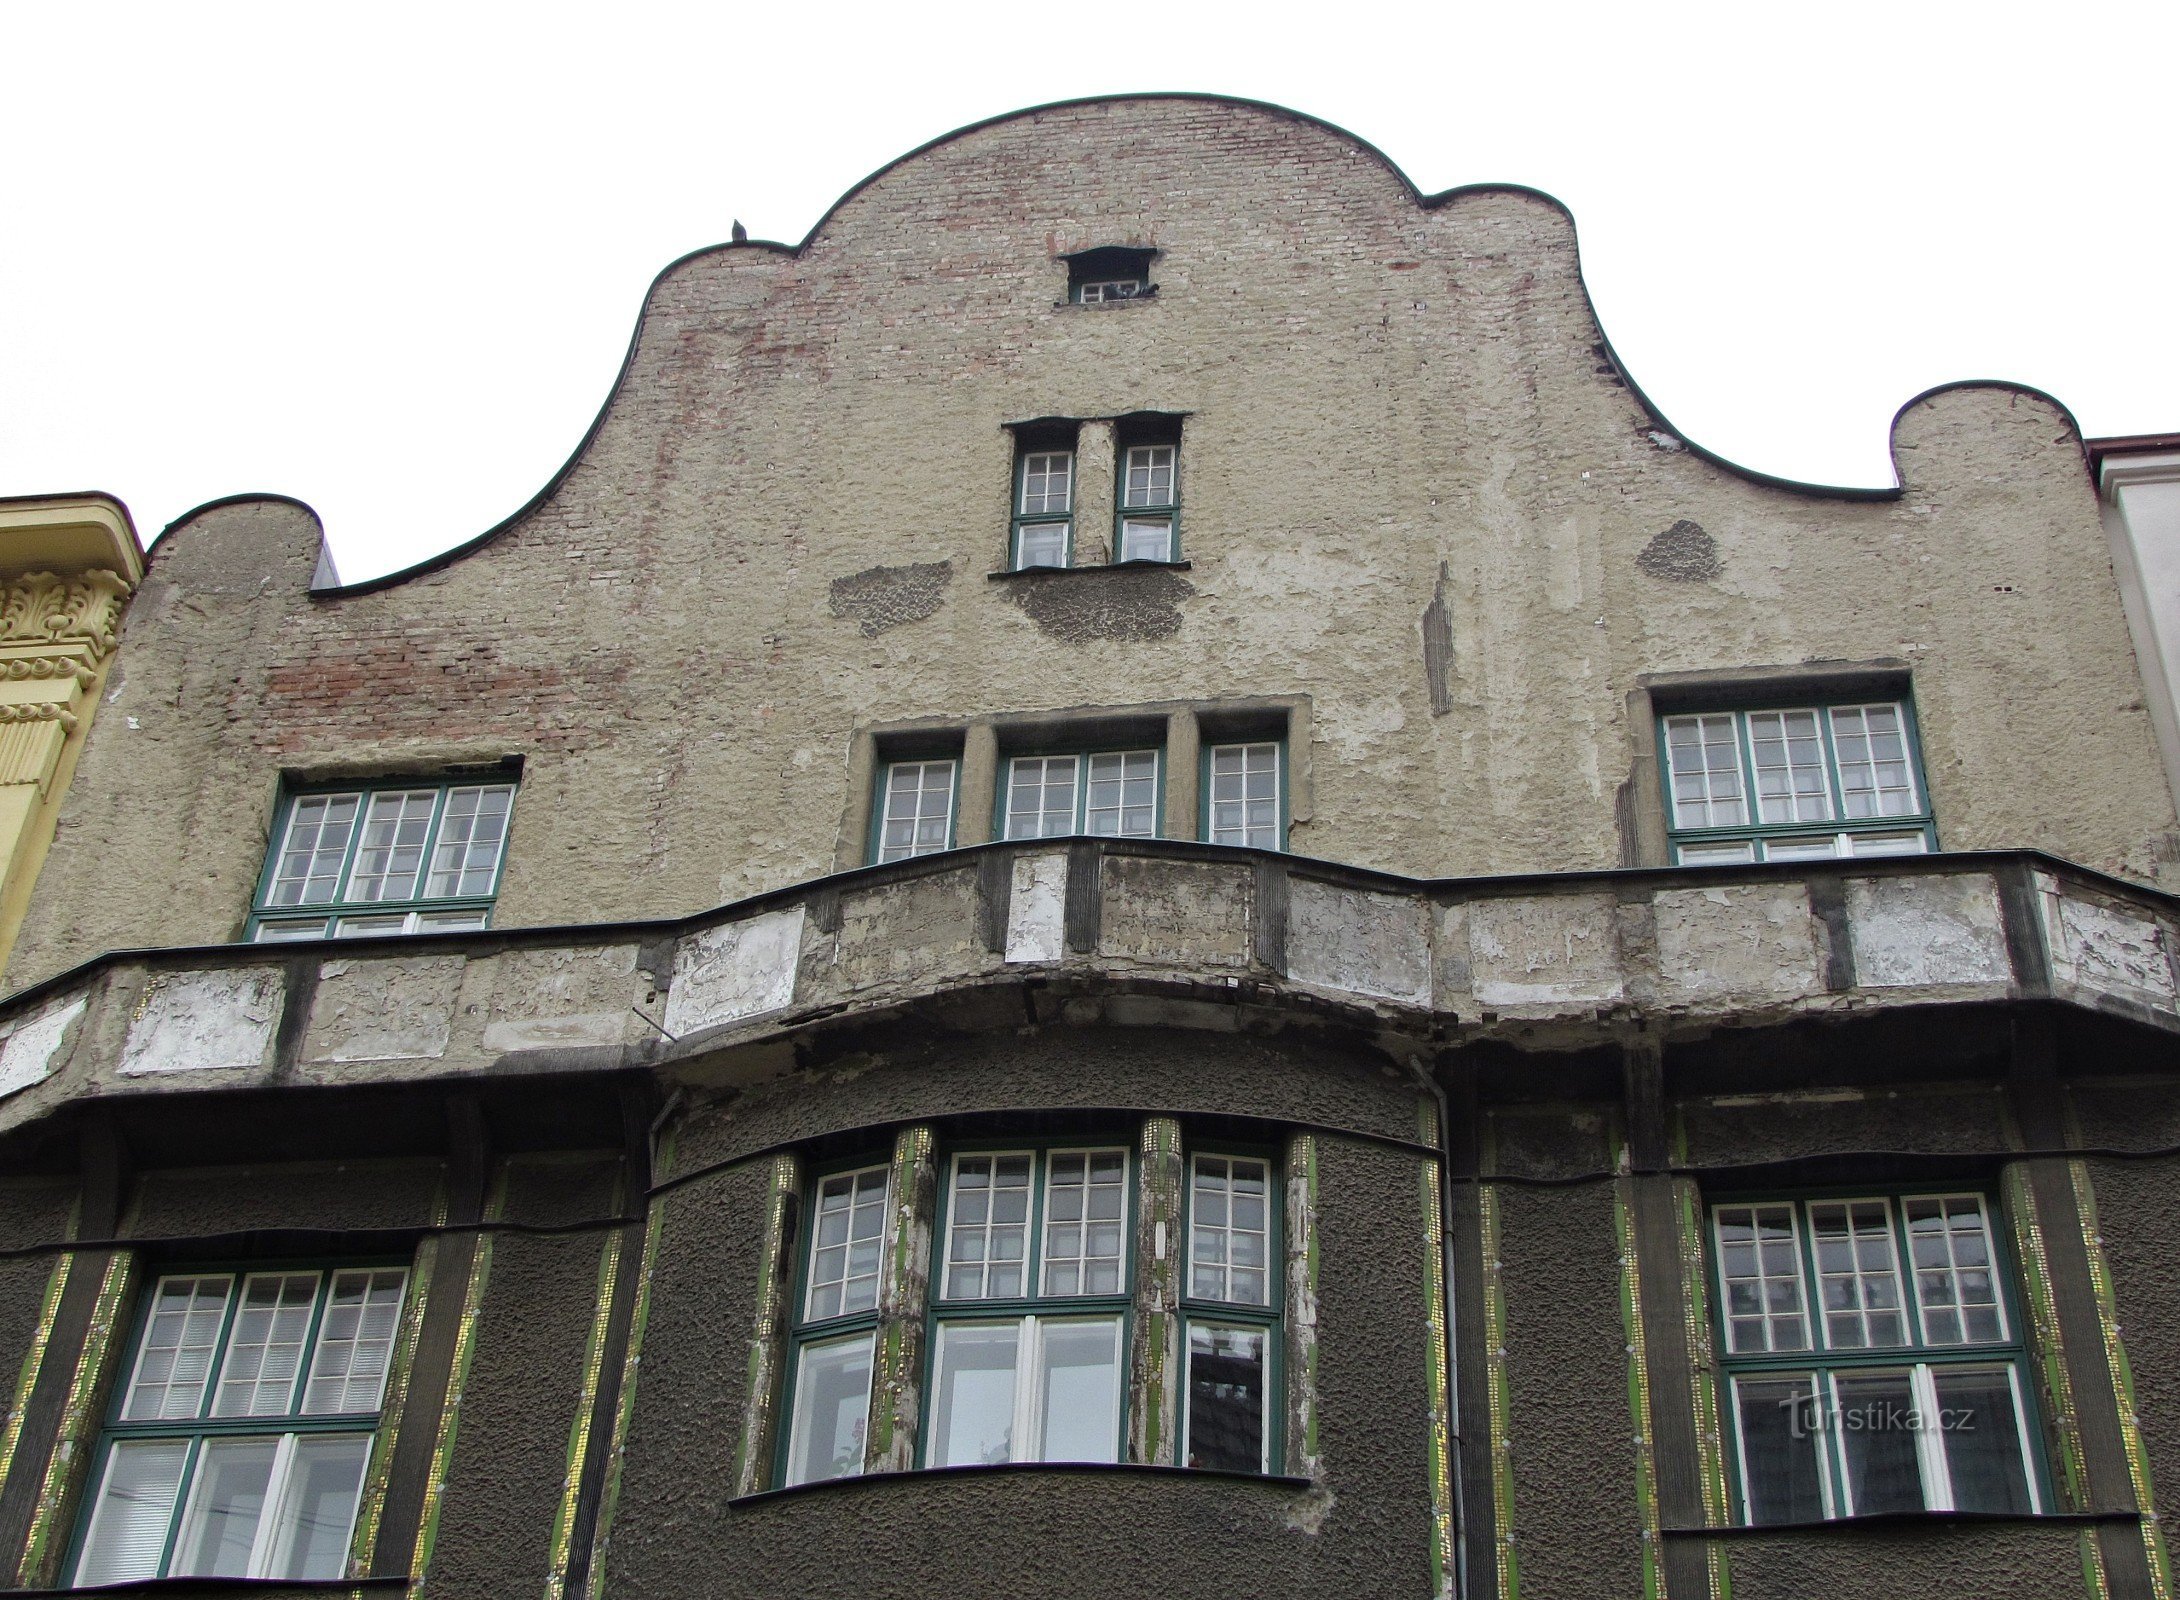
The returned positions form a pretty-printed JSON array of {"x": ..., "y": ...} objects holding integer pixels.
[
  {"x": 1744, "y": 749},
  {"x": 1832, "y": 784},
  {"x": 1929, "y": 1443},
  {"x": 309, "y": 1352},
  {"x": 183, "y": 1492},
  {"x": 355, "y": 844},
  {"x": 268, "y": 1515},
  {"x": 422, "y": 887}
]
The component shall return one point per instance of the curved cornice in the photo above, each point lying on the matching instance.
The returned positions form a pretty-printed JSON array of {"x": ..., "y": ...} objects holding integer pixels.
[{"x": 1425, "y": 201}]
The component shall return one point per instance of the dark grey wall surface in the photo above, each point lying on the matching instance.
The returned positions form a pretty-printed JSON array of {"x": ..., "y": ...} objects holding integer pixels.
[
  {"x": 2015, "y": 1561},
  {"x": 208, "y": 1202},
  {"x": 31, "y": 1212}
]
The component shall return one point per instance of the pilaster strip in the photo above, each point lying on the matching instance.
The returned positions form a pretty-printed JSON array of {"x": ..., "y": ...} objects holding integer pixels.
[
  {"x": 465, "y": 1348},
  {"x": 1703, "y": 1354},
  {"x": 903, "y": 1297},
  {"x": 1438, "y": 1388},
  {"x": 2123, "y": 1383},
  {"x": 586, "y": 1405},
  {"x": 41, "y": 1553},
  {"x": 363, "y": 1549},
  {"x": 768, "y": 1329},
  {"x": 1498, "y": 1388},
  {"x": 56, "y": 1284},
  {"x": 1154, "y": 1363},
  {"x": 2050, "y": 1343},
  {"x": 1305, "y": 1458},
  {"x": 1638, "y": 1385},
  {"x": 609, "y": 1501}
]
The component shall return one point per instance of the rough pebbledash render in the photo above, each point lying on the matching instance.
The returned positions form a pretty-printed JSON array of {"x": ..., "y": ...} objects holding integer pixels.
[{"x": 1418, "y": 490}]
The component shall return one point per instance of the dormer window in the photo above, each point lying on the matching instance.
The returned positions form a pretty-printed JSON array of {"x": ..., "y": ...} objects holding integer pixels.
[{"x": 1109, "y": 273}]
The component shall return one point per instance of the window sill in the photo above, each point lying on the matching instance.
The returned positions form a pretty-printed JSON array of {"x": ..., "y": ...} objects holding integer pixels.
[
  {"x": 209, "y": 1586},
  {"x": 1107, "y": 566},
  {"x": 1904, "y": 1519},
  {"x": 1035, "y": 1468}
]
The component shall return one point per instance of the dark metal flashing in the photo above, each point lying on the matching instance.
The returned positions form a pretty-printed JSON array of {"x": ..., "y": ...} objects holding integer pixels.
[
  {"x": 1423, "y": 201},
  {"x": 1062, "y": 1469},
  {"x": 1012, "y": 573},
  {"x": 1847, "y": 1527}
]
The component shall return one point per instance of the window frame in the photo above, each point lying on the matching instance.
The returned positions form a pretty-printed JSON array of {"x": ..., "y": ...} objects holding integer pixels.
[
  {"x": 1168, "y": 510},
  {"x": 1003, "y": 789},
  {"x": 1206, "y": 801},
  {"x": 115, "y": 1429},
  {"x": 1019, "y": 518},
  {"x": 1038, "y": 1307},
  {"x": 1760, "y": 836},
  {"x": 1918, "y": 1357},
  {"x": 1270, "y": 1318},
  {"x": 881, "y": 797},
  {"x": 330, "y": 914},
  {"x": 803, "y": 1331}
]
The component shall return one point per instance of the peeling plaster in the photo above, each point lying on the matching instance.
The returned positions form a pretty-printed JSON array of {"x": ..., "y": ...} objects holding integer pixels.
[
  {"x": 879, "y": 598},
  {"x": 730, "y": 973},
  {"x": 201, "y": 1021},
  {"x": 1037, "y": 909},
  {"x": 34, "y": 1046}
]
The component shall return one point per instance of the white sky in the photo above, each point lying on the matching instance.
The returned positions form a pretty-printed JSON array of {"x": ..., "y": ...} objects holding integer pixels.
[{"x": 387, "y": 258}]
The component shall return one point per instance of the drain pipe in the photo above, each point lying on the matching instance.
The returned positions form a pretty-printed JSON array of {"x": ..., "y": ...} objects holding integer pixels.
[{"x": 1454, "y": 1464}]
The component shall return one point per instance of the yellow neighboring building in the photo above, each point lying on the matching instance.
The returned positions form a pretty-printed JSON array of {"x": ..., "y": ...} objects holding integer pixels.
[{"x": 68, "y": 564}]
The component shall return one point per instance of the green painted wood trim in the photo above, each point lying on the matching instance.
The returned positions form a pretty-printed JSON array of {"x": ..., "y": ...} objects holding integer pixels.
[
  {"x": 26, "y": 1380},
  {"x": 363, "y": 1548},
  {"x": 74, "y": 1446},
  {"x": 1638, "y": 1383},
  {"x": 610, "y": 1499},
  {"x": 768, "y": 1329},
  {"x": 2046, "y": 1342},
  {"x": 1154, "y": 1357},
  {"x": 1703, "y": 1356},
  {"x": 465, "y": 1350},
  {"x": 586, "y": 1405},
  {"x": 1438, "y": 1380},
  {"x": 2123, "y": 1383},
  {"x": 1304, "y": 1451},
  {"x": 1498, "y": 1389},
  {"x": 904, "y": 1298}
]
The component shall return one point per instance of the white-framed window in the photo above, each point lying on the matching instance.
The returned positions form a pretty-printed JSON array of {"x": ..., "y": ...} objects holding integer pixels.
[
  {"x": 238, "y": 1444},
  {"x": 1091, "y": 294},
  {"x": 836, "y": 1325},
  {"x": 1872, "y": 1361},
  {"x": 1800, "y": 783},
  {"x": 1044, "y": 506},
  {"x": 1245, "y": 795},
  {"x": 916, "y": 810},
  {"x": 1111, "y": 793},
  {"x": 1228, "y": 1294},
  {"x": 418, "y": 858},
  {"x": 1150, "y": 504},
  {"x": 1042, "y": 1235}
]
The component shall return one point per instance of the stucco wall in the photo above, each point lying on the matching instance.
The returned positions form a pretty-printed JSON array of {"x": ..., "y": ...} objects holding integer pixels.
[{"x": 1392, "y": 408}]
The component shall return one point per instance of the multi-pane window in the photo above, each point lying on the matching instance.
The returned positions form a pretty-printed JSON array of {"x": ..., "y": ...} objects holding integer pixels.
[
  {"x": 1111, "y": 792},
  {"x": 416, "y": 859},
  {"x": 1044, "y": 508},
  {"x": 1093, "y": 292},
  {"x": 1150, "y": 503},
  {"x": 1797, "y": 784},
  {"x": 1243, "y": 797},
  {"x": 916, "y": 810},
  {"x": 238, "y": 1443},
  {"x": 1029, "y": 1337},
  {"x": 836, "y": 1323},
  {"x": 1227, "y": 1297},
  {"x": 1873, "y": 1361}
]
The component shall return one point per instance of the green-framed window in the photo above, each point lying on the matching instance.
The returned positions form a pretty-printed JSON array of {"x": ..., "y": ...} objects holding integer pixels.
[
  {"x": 915, "y": 811},
  {"x": 1795, "y": 783},
  {"x": 406, "y": 858},
  {"x": 1147, "y": 501},
  {"x": 1245, "y": 794},
  {"x": 1044, "y": 507},
  {"x": 237, "y": 1443},
  {"x": 1874, "y": 1357},
  {"x": 836, "y": 1325},
  {"x": 1029, "y": 1310},
  {"x": 1230, "y": 1300},
  {"x": 1111, "y": 793}
]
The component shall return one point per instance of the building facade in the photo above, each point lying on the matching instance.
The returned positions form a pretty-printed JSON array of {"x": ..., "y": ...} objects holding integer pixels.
[{"x": 1133, "y": 887}]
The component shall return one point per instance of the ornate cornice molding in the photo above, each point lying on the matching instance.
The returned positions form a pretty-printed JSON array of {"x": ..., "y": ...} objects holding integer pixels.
[
  {"x": 51, "y": 608},
  {"x": 39, "y": 711}
]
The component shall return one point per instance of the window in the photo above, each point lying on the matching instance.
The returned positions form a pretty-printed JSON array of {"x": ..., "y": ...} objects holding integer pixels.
[
  {"x": 1228, "y": 1316},
  {"x": 1029, "y": 1346},
  {"x": 1114, "y": 793},
  {"x": 1245, "y": 802},
  {"x": 238, "y": 1446},
  {"x": 414, "y": 859},
  {"x": 1797, "y": 784},
  {"x": 1873, "y": 1361},
  {"x": 1150, "y": 503},
  {"x": 1111, "y": 272},
  {"x": 836, "y": 1326},
  {"x": 1044, "y": 504},
  {"x": 917, "y": 817}
]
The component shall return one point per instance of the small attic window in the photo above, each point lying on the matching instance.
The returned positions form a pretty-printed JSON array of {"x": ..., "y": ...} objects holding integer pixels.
[{"x": 1110, "y": 272}]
